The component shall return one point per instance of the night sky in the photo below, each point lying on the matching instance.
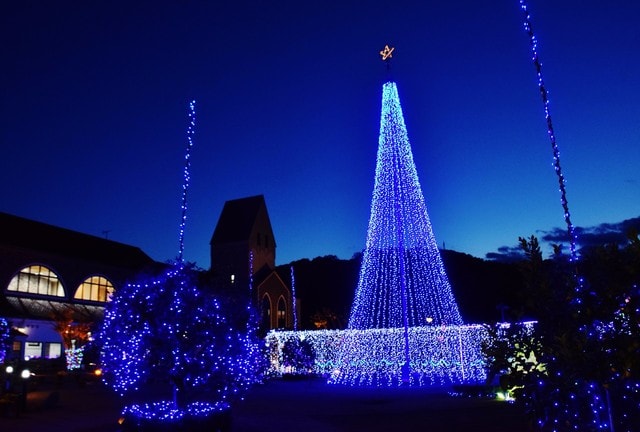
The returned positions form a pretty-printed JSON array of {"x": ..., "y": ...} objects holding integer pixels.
[{"x": 95, "y": 100}]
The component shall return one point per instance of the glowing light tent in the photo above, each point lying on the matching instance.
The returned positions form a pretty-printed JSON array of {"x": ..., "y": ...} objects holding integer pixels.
[{"x": 405, "y": 326}]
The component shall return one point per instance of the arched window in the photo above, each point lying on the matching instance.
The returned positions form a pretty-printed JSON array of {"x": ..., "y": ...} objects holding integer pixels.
[
  {"x": 282, "y": 313},
  {"x": 37, "y": 279},
  {"x": 95, "y": 288},
  {"x": 265, "y": 313}
]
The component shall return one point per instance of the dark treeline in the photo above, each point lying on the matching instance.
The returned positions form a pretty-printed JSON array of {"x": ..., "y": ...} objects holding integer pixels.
[{"x": 486, "y": 291}]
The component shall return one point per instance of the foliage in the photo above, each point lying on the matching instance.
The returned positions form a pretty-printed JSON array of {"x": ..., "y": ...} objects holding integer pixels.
[
  {"x": 511, "y": 355},
  {"x": 73, "y": 333},
  {"x": 5, "y": 334},
  {"x": 298, "y": 356},
  {"x": 589, "y": 336},
  {"x": 167, "y": 332}
]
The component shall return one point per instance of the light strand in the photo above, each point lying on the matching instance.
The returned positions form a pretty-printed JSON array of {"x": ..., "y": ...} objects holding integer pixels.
[
  {"x": 187, "y": 177},
  {"x": 550, "y": 131},
  {"x": 293, "y": 296}
]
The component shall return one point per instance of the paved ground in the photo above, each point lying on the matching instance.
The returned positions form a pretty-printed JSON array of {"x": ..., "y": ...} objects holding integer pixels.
[{"x": 284, "y": 406}]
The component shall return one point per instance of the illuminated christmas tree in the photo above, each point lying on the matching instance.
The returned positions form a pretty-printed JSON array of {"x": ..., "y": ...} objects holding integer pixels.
[
  {"x": 405, "y": 326},
  {"x": 402, "y": 279}
]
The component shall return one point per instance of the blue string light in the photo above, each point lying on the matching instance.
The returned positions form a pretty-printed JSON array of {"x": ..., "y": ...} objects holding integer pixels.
[
  {"x": 167, "y": 328},
  {"x": 402, "y": 277},
  {"x": 4, "y": 338},
  {"x": 404, "y": 326},
  {"x": 293, "y": 297},
  {"x": 440, "y": 355},
  {"x": 187, "y": 177},
  {"x": 550, "y": 131}
]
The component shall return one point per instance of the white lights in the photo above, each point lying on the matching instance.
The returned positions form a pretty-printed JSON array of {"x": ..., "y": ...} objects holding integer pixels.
[{"x": 440, "y": 355}]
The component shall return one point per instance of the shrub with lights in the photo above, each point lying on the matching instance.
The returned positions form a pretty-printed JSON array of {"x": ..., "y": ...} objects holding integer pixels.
[
  {"x": 5, "y": 334},
  {"x": 589, "y": 319},
  {"x": 75, "y": 336},
  {"x": 170, "y": 350},
  {"x": 511, "y": 355},
  {"x": 298, "y": 356},
  {"x": 586, "y": 342}
]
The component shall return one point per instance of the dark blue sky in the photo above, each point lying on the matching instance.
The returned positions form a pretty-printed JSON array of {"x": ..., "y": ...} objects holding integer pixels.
[{"x": 95, "y": 98}]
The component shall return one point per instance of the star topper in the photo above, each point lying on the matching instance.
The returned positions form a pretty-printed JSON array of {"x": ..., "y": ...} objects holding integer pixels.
[{"x": 386, "y": 53}]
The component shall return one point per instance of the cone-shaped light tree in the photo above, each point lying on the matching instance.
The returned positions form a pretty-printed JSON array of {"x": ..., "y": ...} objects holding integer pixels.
[
  {"x": 404, "y": 326},
  {"x": 402, "y": 281}
]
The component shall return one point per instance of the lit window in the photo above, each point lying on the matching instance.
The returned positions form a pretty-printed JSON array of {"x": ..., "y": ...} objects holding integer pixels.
[
  {"x": 53, "y": 350},
  {"x": 95, "y": 288},
  {"x": 33, "y": 350},
  {"x": 37, "y": 279}
]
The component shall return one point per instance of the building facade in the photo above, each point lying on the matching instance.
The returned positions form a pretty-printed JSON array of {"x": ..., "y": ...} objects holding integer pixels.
[
  {"x": 47, "y": 271},
  {"x": 243, "y": 253}
]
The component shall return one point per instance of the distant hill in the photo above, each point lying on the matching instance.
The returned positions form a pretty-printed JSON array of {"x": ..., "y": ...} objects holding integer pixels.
[
  {"x": 481, "y": 287},
  {"x": 326, "y": 285}
]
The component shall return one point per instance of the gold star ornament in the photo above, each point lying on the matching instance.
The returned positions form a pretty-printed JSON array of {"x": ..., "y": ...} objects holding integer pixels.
[{"x": 386, "y": 53}]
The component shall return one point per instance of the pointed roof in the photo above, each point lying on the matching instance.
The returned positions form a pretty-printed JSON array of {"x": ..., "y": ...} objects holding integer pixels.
[{"x": 237, "y": 219}]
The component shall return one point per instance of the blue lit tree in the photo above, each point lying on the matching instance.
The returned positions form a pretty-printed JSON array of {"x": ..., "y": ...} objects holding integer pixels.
[
  {"x": 402, "y": 281},
  {"x": 404, "y": 326},
  {"x": 166, "y": 341},
  {"x": 590, "y": 354},
  {"x": 170, "y": 349}
]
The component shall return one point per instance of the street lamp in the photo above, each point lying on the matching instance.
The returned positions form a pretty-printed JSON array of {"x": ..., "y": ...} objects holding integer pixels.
[
  {"x": 25, "y": 375},
  {"x": 7, "y": 384}
]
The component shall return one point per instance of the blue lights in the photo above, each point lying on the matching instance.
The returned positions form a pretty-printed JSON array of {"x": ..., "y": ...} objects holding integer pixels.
[
  {"x": 591, "y": 381},
  {"x": 550, "y": 131},
  {"x": 293, "y": 299},
  {"x": 4, "y": 338},
  {"x": 167, "y": 328},
  {"x": 187, "y": 177},
  {"x": 165, "y": 334},
  {"x": 402, "y": 281},
  {"x": 405, "y": 327}
]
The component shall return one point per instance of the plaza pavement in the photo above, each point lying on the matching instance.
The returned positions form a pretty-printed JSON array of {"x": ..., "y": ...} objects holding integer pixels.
[{"x": 307, "y": 405}]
